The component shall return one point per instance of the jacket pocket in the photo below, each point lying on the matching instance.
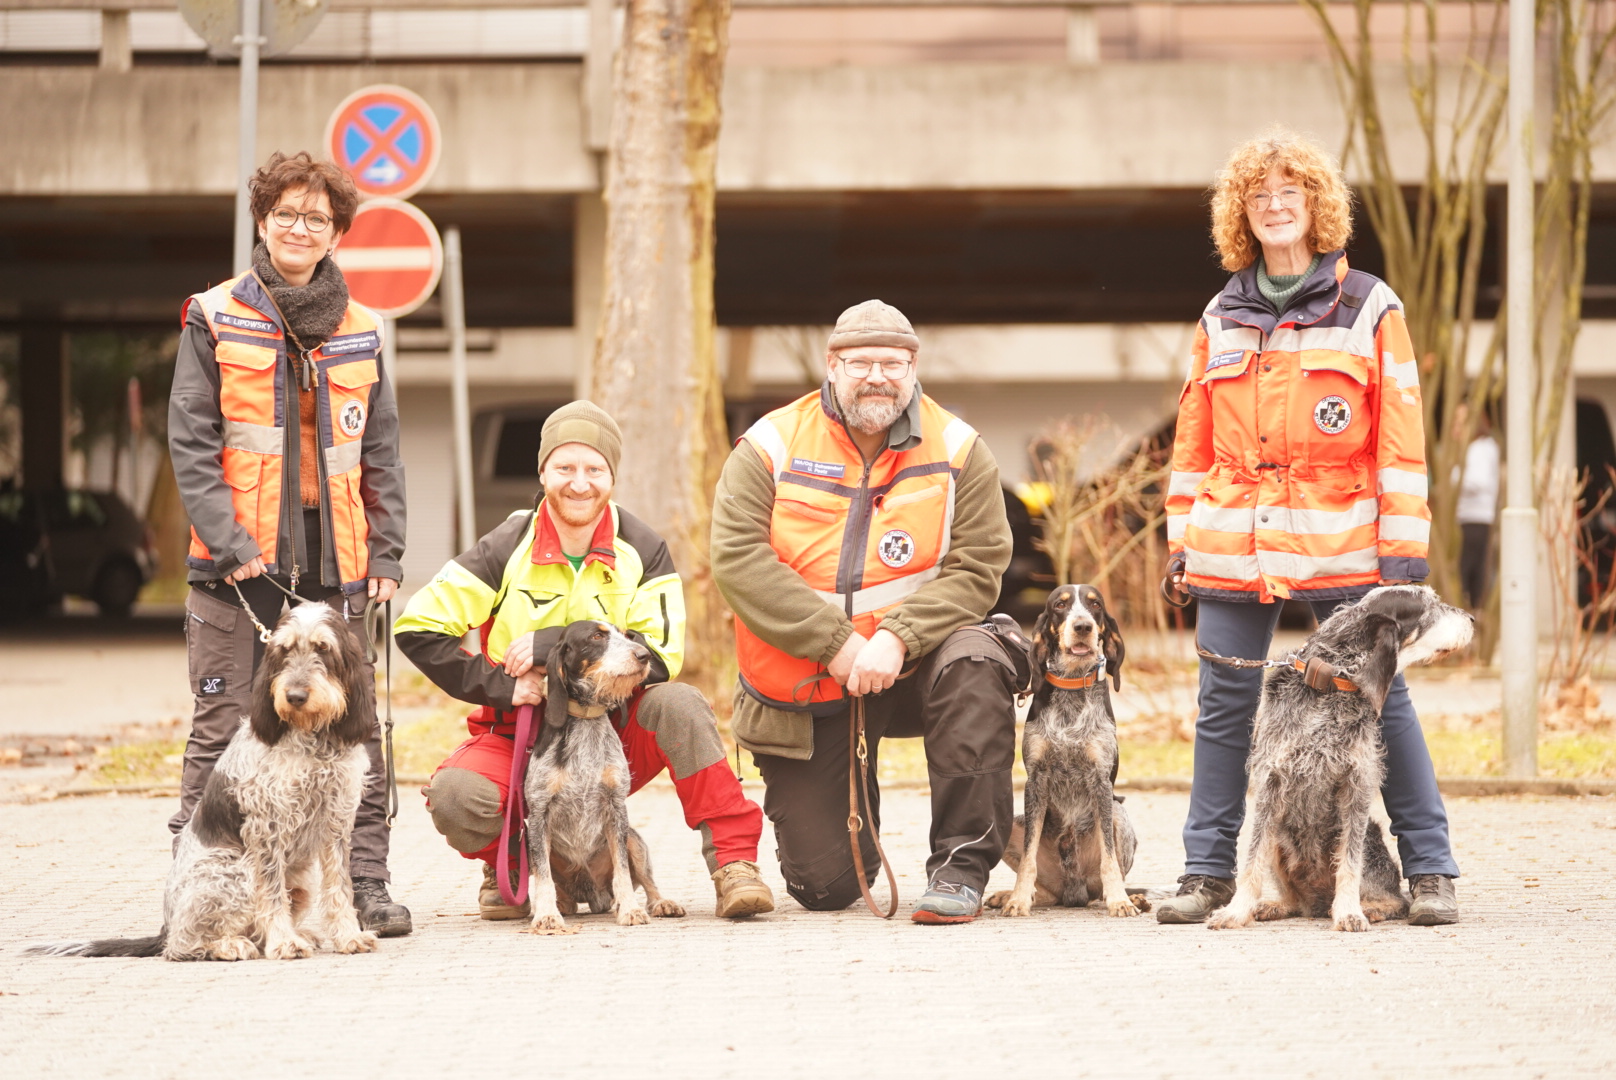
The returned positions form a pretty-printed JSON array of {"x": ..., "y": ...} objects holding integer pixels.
[
  {"x": 1353, "y": 367},
  {"x": 1227, "y": 365},
  {"x": 240, "y": 354},
  {"x": 243, "y": 470},
  {"x": 802, "y": 509},
  {"x": 893, "y": 502},
  {"x": 354, "y": 375}
]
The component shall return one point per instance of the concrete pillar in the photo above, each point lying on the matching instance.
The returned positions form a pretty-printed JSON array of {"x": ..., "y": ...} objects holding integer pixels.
[
  {"x": 117, "y": 54},
  {"x": 1082, "y": 35},
  {"x": 43, "y": 397},
  {"x": 588, "y": 282},
  {"x": 597, "y": 95}
]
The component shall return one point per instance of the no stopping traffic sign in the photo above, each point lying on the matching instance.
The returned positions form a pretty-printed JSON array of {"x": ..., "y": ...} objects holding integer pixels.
[{"x": 387, "y": 137}]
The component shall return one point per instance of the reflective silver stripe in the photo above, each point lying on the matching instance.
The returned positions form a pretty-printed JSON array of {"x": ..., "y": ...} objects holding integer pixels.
[
  {"x": 1301, "y": 521},
  {"x": 1230, "y": 567},
  {"x": 1235, "y": 519},
  {"x": 1405, "y": 527},
  {"x": 955, "y": 436},
  {"x": 1403, "y": 482},
  {"x": 1233, "y": 339},
  {"x": 1407, "y": 373},
  {"x": 1176, "y": 524},
  {"x": 766, "y": 437},
  {"x": 1288, "y": 564},
  {"x": 339, "y": 459},
  {"x": 258, "y": 438},
  {"x": 883, "y": 595},
  {"x": 1184, "y": 483}
]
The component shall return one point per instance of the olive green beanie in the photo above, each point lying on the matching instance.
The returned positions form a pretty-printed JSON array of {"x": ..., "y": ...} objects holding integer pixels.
[{"x": 582, "y": 422}]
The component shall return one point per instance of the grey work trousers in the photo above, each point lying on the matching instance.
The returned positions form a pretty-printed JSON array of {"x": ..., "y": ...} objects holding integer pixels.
[
  {"x": 1228, "y": 701},
  {"x": 961, "y": 700},
  {"x": 222, "y": 654}
]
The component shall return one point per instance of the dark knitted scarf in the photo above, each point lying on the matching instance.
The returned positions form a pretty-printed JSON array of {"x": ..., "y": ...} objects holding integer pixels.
[{"x": 312, "y": 311}]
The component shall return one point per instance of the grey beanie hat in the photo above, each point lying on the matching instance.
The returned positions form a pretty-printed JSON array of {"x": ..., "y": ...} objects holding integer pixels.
[
  {"x": 873, "y": 323},
  {"x": 582, "y": 422}
]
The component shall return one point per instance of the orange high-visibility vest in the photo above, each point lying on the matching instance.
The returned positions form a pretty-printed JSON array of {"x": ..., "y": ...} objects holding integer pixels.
[
  {"x": 864, "y": 537},
  {"x": 1299, "y": 459},
  {"x": 255, "y": 398}
]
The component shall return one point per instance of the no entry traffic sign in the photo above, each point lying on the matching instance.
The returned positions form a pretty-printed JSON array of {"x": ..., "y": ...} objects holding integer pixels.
[
  {"x": 387, "y": 138},
  {"x": 391, "y": 257}
]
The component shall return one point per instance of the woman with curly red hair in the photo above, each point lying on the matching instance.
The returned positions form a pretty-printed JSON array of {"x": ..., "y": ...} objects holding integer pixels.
[{"x": 1298, "y": 472}]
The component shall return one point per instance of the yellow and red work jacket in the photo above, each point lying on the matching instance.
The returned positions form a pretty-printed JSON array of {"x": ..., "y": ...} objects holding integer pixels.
[
  {"x": 1299, "y": 459},
  {"x": 250, "y": 348},
  {"x": 863, "y": 536}
]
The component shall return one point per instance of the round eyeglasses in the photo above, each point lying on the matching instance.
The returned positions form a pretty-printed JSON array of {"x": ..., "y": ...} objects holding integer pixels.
[
  {"x": 286, "y": 217},
  {"x": 1290, "y": 198},
  {"x": 892, "y": 369}
]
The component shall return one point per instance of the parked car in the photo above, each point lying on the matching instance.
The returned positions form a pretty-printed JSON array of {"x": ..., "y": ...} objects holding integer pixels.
[{"x": 71, "y": 542}]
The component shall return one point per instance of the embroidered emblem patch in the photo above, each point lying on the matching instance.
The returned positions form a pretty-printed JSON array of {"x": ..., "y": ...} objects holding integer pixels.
[
  {"x": 1332, "y": 415},
  {"x": 352, "y": 419},
  {"x": 348, "y": 343},
  {"x": 1224, "y": 359},
  {"x": 211, "y": 685},
  {"x": 896, "y": 548},
  {"x": 818, "y": 468}
]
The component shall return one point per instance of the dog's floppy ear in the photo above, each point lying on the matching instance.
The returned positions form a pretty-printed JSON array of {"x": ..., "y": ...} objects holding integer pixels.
[
  {"x": 1374, "y": 678},
  {"x": 555, "y": 697},
  {"x": 267, "y": 725},
  {"x": 347, "y": 665},
  {"x": 1111, "y": 645}
]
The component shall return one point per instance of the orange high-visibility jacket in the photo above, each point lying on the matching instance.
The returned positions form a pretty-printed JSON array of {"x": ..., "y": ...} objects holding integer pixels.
[
  {"x": 255, "y": 400},
  {"x": 1299, "y": 460},
  {"x": 865, "y": 537}
]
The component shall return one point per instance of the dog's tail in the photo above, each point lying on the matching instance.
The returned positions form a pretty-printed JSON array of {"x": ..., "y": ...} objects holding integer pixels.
[{"x": 143, "y": 946}]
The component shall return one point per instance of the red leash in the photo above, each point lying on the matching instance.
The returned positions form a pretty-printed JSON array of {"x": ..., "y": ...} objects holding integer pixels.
[{"x": 513, "y": 834}]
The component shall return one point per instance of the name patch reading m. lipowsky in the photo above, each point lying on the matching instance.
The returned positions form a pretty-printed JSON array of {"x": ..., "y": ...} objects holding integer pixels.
[
  {"x": 818, "y": 468},
  {"x": 1224, "y": 359},
  {"x": 348, "y": 343},
  {"x": 246, "y": 324}
]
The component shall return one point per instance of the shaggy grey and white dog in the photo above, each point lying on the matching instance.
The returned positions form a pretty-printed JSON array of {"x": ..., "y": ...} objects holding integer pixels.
[
  {"x": 1317, "y": 762},
  {"x": 581, "y": 848},
  {"x": 1074, "y": 840},
  {"x": 261, "y": 869}
]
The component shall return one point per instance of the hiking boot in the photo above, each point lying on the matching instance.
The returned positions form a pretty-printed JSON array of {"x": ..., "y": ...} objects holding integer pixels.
[
  {"x": 377, "y": 912},
  {"x": 945, "y": 902},
  {"x": 1435, "y": 902},
  {"x": 742, "y": 892},
  {"x": 1199, "y": 895},
  {"x": 492, "y": 906}
]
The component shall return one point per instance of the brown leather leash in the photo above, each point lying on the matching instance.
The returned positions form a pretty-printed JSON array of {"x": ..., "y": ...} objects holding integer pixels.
[
  {"x": 1319, "y": 674},
  {"x": 858, "y": 775}
]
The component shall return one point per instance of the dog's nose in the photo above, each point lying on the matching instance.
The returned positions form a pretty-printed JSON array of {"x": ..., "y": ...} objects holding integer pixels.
[
  {"x": 297, "y": 696},
  {"x": 642, "y": 655},
  {"x": 1083, "y": 627}
]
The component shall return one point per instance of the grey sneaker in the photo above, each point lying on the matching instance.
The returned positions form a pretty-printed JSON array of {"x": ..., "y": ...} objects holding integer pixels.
[
  {"x": 377, "y": 911},
  {"x": 945, "y": 902},
  {"x": 1435, "y": 901},
  {"x": 1199, "y": 895}
]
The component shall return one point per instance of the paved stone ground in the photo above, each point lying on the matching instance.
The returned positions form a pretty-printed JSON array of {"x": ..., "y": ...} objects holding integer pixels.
[{"x": 1523, "y": 987}]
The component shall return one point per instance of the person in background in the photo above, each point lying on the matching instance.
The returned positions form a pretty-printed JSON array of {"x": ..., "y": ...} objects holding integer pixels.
[{"x": 1478, "y": 510}]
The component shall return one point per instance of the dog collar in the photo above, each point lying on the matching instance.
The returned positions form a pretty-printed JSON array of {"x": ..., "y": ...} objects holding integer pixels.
[
  {"x": 1315, "y": 672},
  {"x": 585, "y": 712},
  {"x": 1097, "y": 675}
]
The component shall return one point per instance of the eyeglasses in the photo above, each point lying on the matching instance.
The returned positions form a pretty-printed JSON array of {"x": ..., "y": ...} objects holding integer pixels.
[
  {"x": 1290, "y": 198},
  {"x": 860, "y": 369},
  {"x": 286, "y": 217}
]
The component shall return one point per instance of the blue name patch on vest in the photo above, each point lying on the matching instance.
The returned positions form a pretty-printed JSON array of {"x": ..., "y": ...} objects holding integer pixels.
[
  {"x": 246, "y": 324},
  {"x": 1224, "y": 359},
  {"x": 818, "y": 468},
  {"x": 348, "y": 343}
]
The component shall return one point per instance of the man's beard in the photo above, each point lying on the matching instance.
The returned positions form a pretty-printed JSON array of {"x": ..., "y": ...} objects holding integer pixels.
[
  {"x": 873, "y": 409},
  {"x": 571, "y": 511}
]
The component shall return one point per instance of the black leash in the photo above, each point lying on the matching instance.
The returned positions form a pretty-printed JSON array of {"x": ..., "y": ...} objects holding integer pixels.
[{"x": 387, "y": 726}]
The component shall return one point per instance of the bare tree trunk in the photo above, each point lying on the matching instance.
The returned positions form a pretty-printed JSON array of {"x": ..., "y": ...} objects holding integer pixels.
[{"x": 655, "y": 363}]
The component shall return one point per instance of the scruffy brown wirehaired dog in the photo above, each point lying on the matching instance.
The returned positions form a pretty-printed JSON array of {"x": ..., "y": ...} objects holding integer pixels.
[
  {"x": 261, "y": 869},
  {"x": 1317, "y": 762},
  {"x": 581, "y": 848},
  {"x": 1074, "y": 840}
]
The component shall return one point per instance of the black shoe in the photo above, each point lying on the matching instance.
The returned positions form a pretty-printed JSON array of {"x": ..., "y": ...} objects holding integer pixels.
[
  {"x": 1199, "y": 895},
  {"x": 377, "y": 912},
  {"x": 1435, "y": 901}
]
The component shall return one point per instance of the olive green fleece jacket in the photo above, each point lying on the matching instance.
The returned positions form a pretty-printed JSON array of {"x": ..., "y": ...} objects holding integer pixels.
[{"x": 778, "y": 606}]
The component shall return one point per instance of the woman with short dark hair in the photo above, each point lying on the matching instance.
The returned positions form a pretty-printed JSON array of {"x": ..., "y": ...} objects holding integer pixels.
[
  {"x": 1298, "y": 472},
  {"x": 283, "y": 432}
]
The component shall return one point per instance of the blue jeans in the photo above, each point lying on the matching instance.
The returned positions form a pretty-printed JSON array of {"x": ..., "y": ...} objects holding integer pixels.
[{"x": 1228, "y": 701}]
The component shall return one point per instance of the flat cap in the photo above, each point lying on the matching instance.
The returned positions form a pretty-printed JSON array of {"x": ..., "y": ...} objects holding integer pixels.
[{"x": 873, "y": 323}]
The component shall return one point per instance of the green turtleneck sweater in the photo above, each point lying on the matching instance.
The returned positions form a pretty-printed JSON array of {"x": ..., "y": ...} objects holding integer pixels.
[{"x": 1280, "y": 289}]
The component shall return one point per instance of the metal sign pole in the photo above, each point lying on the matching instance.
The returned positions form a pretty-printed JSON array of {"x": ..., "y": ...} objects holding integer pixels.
[
  {"x": 247, "y": 130},
  {"x": 454, "y": 318},
  {"x": 1518, "y": 637}
]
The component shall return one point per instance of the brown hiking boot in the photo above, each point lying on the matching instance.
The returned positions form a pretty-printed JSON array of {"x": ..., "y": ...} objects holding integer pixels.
[
  {"x": 741, "y": 891},
  {"x": 1199, "y": 895},
  {"x": 491, "y": 905}
]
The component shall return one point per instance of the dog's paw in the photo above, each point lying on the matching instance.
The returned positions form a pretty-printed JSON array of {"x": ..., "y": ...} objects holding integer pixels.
[
  {"x": 1138, "y": 900},
  {"x": 551, "y": 924},
  {"x": 292, "y": 948},
  {"x": 1351, "y": 922},
  {"x": 634, "y": 916},
  {"x": 997, "y": 900},
  {"x": 666, "y": 909},
  {"x": 1269, "y": 910},
  {"x": 1224, "y": 919},
  {"x": 1121, "y": 909},
  {"x": 233, "y": 948},
  {"x": 364, "y": 941},
  {"x": 1015, "y": 907}
]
